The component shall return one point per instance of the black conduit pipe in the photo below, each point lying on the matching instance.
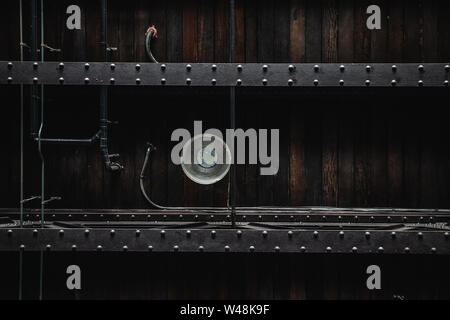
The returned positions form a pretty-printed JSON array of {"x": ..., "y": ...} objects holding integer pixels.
[
  {"x": 34, "y": 114},
  {"x": 104, "y": 122}
]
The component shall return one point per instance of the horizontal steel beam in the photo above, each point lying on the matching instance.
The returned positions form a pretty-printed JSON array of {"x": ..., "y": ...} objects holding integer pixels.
[
  {"x": 225, "y": 74},
  {"x": 280, "y": 215},
  {"x": 229, "y": 240}
]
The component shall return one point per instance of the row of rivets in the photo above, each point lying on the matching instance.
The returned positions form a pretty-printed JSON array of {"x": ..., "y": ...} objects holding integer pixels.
[
  {"x": 239, "y": 67},
  {"x": 228, "y": 249}
]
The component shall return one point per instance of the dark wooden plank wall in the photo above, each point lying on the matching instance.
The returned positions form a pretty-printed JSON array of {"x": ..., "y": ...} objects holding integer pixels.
[
  {"x": 159, "y": 276},
  {"x": 337, "y": 150}
]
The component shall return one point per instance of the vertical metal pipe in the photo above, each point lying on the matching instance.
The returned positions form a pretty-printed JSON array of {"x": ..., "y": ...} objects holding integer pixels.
[
  {"x": 21, "y": 116},
  {"x": 41, "y": 273},
  {"x": 21, "y": 151},
  {"x": 232, "y": 188},
  {"x": 42, "y": 124},
  {"x": 34, "y": 116}
]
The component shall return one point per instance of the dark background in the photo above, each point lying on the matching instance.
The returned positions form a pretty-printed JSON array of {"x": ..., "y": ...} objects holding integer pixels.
[{"x": 340, "y": 147}]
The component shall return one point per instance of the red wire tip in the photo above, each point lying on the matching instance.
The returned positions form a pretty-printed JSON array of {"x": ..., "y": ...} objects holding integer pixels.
[{"x": 155, "y": 32}]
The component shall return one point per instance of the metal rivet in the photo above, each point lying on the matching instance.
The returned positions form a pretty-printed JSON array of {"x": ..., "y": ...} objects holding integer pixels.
[
  {"x": 196, "y": 217},
  {"x": 380, "y": 249},
  {"x": 188, "y": 81},
  {"x": 342, "y": 68},
  {"x": 163, "y": 233},
  {"x": 150, "y": 248},
  {"x": 138, "y": 80},
  {"x": 138, "y": 233},
  {"x": 420, "y": 235},
  {"x": 341, "y": 83},
  {"x": 213, "y": 81},
  {"x": 406, "y": 249},
  {"x": 291, "y": 67},
  {"x": 238, "y": 82},
  {"x": 394, "y": 68},
  {"x": 316, "y": 68},
  {"x": 329, "y": 249},
  {"x": 421, "y": 68},
  {"x": 302, "y": 248},
  {"x": 113, "y": 66},
  {"x": 138, "y": 67},
  {"x": 420, "y": 83},
  {"x": 35, "y": 80},
  {"x": 163, "y": 67},
  {"x": 356, "y": 217},
  {"x": 86, "y": 66},
  {"x": 35, "y": 65},
  {"x": 355, "y": 249},
  {"x": 324, "y": 218},
  {"x": 61, "y": 80},
  {"x": 446, "y": 83},
  {"x": 48, "y": 247},
  {"x": 316, "y": 234},
  {"x": 290, "y": 82},
  {"x": 188, "y": 233},
  {"x": 22, "y": 247},
  {"x": 175, "y": 248},
  {"x": 10, "y": 65},
  {"x": 10, "y": 232},
  {"x": 405, "y": 219},
  {"x": 433, "y": 250},
  {"x": 252, "y": 248},
  {"x": 99, "y": 248},
  {"x": 61, "y": 66},
  {"x": 389, "y": 218},
  {"x": 277, "y": 249},
  {"x": 188, "y": 67},
  {"x": 61, "y": 232},
  {"x": 112, "y": 232},
  {"x": 291, "y": 217},
  {"x": 86, "y": 80},
  {"x": 35, "y": 232},
  {"x": 10, "y": 79},
  {"x": 260, "y": 217},
  {"x": 112, "y": 80},
  {"x": 264, "y": 82},
  {"x": 275, "y": 217},
  {"x": 265, "y": 67},
  {"x": 308, "y": 217},
  {"x": 125, "y": 248},
  {"x": 316, "y": 82},
  {"x": 213, "y": 234},
  {"x": 368, "y": 68},
  {"x": 214, "y": 67},
  {"x": 264, "y": 233},
  {"x": 86, "y": 232},
  {"x": 163, "y": 81},
  {"x": 393, "y": 83},
  {"x": 201, "y": 248},
  {"x": 447, "y": 68},
  {"x": 290, "y": 233},
  {"x": 74, "y": 247},
  {"x": 239, "y": 233},
  {"x": 341, "y": 234},
  {"x": 239, "y": 67},
  {"x": 446, "y": 235},
  {"x": 393, "y": 234},
  {"x": 227, "y": 248},
  {"x": 367, "y": 234}
]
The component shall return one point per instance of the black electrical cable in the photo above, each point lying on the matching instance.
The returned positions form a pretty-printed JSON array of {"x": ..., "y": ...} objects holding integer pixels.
[{"x": 149, "y": 35}]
